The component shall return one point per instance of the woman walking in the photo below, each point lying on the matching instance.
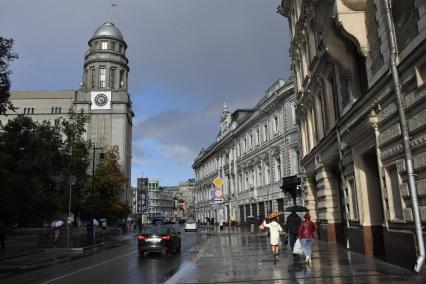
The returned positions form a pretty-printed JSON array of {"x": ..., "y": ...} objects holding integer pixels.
[
  {"x": 274, "y": 231},
  {"x": 306, "y": 236}
]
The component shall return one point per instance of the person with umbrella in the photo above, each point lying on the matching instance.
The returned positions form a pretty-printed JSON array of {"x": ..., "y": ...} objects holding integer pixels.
[
  {"x": 292, "y": 228},
  {"x": 274, "y": 231},
  {"x": 306, "y": 235}
]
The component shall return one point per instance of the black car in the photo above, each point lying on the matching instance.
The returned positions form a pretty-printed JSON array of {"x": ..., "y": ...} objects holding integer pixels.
[{"x": 161, "y": 238}]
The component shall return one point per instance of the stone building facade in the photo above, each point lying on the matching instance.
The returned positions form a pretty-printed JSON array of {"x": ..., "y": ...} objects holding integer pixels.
[
  {"x": 102, "y": 95},
  {"x": 254, "y": 150},
  {"x": 351, "y": 144}
]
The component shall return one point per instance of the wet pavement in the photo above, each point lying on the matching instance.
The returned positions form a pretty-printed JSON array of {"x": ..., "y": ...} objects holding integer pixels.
[
  {"x": 244, "y": 257},
  {"x": 114, "y": 263},
  {"x": 234, "y": 255}
]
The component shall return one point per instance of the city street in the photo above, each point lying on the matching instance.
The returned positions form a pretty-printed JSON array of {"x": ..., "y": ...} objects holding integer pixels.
[
  {"x": 210, "y": 256},
  {"x": 115, "y": 263}
]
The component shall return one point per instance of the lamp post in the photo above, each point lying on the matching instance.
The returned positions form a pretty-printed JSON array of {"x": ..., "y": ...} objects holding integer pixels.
[
  {"x": 92, "y": 231},
  {"x": 71, "y": 180}
]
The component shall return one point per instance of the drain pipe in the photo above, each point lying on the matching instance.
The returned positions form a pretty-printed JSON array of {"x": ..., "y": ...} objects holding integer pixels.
[{"x": 406, "y": 139}]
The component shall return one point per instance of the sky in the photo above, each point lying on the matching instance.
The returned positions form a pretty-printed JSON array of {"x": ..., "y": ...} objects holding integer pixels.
[{"x": 186, "y": 58}]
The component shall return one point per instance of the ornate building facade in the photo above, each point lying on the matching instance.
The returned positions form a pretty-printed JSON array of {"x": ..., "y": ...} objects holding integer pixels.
[
  {"x": 351, "y": 153},
  {"x": 102, "y": 95},
  {"x": 254, "y": 150}
]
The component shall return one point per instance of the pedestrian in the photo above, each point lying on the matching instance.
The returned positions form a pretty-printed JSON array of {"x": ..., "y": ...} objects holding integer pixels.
[
  {"x": 306, "y": 235},
  {"x": 274, "y": 232},
  {"x": 292, "y": 228},
  {"x": 2, "y": 235}
]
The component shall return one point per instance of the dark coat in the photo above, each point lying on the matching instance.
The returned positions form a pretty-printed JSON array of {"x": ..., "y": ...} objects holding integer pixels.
[{"x": 293, "y": 222}]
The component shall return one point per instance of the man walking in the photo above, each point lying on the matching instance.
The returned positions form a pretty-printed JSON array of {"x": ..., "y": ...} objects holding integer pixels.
[{"x": 292, "y": 228}]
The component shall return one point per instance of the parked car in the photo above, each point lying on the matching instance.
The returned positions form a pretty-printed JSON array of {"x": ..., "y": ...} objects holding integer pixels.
[
  {"x": 161, "y": 238},
  {"x": 190, "y": 225}
]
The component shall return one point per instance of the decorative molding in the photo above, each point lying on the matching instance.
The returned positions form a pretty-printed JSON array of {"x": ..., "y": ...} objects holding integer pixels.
[
  {"x": 417, "y": 121},
  {"x": 389, "y": 134},
  {"x": 387, "y": 111}
]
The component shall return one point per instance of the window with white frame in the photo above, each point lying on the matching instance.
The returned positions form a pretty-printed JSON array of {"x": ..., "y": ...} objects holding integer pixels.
[
  {"x": 102, "y": 77},
  {"x": 257, "y": 136},
  {"x": 265, "y": 131},
  {"x": 396, "y": 204},
  {"x": 276, "y": 124},
  {"x": 104, "y": 45}
]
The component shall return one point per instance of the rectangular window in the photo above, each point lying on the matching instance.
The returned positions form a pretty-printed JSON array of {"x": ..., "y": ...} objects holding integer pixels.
[
  {"x": 112, "y": 77},
  {"x": 113, "y": 46},
  {"x": 258, "y": 136},
  {"x": 102, "y": 77},
  {"x": 25, "y": 110},
  {"x": 104, "y": 45},
  {"x": 53, "y": 109},
  {"x": 121, "y": 78},
  {"x": 265, "y": 131},
  {"x": 93, "y": 77},
  {"x": 275, "y": 124},
  {"x": 32, "y": 111},
  {"x": 394, "y": 196}
]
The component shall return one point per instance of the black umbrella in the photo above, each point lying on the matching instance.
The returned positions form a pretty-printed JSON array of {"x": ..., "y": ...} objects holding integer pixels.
[{"x": 296, "y": 208}]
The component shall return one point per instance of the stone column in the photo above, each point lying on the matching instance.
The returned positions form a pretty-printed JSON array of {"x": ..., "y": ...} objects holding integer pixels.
[{"x": 328, "y": 205}]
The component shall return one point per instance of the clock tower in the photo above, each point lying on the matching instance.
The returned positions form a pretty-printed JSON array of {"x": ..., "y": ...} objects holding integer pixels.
[{"x": 104, "y": 95}]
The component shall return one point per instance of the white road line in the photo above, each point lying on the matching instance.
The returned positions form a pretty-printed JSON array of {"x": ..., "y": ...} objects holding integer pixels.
[{"x": 89, "y": 267}]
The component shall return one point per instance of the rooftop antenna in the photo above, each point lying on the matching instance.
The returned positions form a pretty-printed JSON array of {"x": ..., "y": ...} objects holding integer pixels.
[{"x": 113, "y": 5}]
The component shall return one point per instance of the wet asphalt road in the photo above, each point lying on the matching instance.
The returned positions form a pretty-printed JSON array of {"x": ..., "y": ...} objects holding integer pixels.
[{"x": 118, "y": 263}]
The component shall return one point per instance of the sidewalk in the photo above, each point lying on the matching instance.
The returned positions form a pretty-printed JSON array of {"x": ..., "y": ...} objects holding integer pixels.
[
  {"x": 245, "y": 258},
  {"x": 23, "y": 246}
]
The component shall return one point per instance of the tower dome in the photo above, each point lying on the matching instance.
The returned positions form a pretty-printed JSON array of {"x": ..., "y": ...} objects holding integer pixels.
[
  {"x": 105, "y": 63},
  {"x": 108, "y": 29}
]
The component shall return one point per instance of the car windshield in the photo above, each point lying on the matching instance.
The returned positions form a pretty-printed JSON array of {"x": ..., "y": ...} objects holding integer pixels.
[
  {"x": 156, "y": 230},
  {"x": 190, "y": 222}
]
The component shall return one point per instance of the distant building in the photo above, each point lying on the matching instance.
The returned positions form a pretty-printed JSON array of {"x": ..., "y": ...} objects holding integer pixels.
[
  {"x": 160, "y": 201},
  {"x": 186, "y": 199},
  {"x": 102, "y": 95},
  {"x": 254, "y": 150}
]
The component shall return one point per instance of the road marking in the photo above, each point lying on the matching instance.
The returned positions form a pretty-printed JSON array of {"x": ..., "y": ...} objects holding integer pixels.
[{"x": 89, "y": 267}]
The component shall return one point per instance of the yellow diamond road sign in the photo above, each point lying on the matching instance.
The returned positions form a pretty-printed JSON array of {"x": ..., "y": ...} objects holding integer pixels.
[{"x": 218, "y": 182}]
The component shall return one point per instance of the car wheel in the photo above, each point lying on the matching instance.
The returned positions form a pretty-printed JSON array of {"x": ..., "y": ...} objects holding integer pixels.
[{"x": 178, "y": 249}]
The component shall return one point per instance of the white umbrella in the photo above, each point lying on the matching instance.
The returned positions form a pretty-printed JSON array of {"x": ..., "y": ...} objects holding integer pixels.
[{"x": 56, "y": 224}]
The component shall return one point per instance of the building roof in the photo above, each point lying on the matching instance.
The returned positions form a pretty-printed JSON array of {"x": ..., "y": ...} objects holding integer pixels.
[{"x": 108, "y": 29}]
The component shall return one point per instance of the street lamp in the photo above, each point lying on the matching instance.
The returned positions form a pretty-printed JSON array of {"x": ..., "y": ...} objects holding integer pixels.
[{"x": 92, "y": 232}]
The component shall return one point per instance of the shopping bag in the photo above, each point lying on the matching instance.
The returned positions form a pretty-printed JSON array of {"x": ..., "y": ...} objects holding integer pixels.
[{"x": 297, "y": 247}]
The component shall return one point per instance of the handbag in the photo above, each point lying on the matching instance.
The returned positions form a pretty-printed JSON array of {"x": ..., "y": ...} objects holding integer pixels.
[{"x": 297, "y": 247}]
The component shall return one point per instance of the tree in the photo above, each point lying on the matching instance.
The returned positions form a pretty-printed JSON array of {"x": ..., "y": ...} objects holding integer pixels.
[
  {"x": 6, "y": 56},
  {"x": 31, "y": 159},
  {"x": 104, "y": 199},
  {"x": 76, "y": 155}
]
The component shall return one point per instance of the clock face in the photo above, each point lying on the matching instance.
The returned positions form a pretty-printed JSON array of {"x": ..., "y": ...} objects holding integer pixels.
[{"x": 101, "y": 100}]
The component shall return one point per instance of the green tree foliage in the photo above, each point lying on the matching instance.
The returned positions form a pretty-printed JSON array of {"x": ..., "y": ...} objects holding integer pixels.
[
  {"x": 6, "y": 56},
  {"x": 104, "y": 199},
  {"x": 76, "y": 156},
  {"x": 31, "y": 159}
]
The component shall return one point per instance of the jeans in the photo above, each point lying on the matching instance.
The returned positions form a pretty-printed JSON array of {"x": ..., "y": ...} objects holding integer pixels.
[
  {"x": 307, "y": 246},
  {"x": 293, "y": 238}
]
